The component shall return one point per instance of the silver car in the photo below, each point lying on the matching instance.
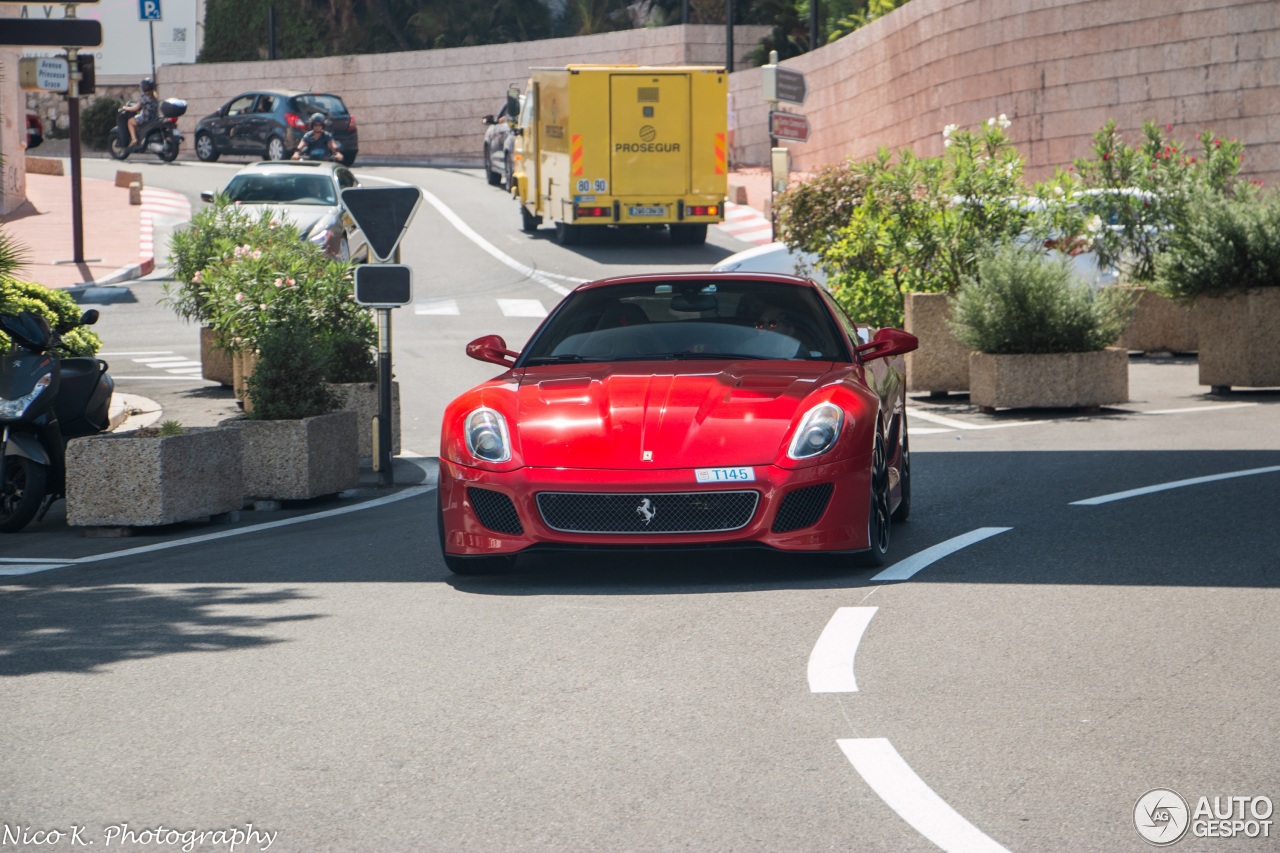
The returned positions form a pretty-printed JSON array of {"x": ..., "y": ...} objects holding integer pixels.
[{"x": 307, "y": 194}]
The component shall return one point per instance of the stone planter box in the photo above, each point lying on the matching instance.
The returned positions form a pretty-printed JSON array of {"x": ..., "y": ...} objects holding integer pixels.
[
  {"x": 215, "y": 362},
  {"x": 362, "y": 398},
  {"x": 124, "y": 480},
  {"x": 1159, "y": 324},
  {"x": 1238, "y": 339},
  {"x": 1050, "y": 381},
  {"x": 941, "y": 364},
  {"x": 298, "y": 460}
]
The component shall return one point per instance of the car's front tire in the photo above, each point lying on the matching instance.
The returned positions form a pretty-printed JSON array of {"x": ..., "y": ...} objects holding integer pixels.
[
  {"x": 205, "y": 149},
  {"x": 275, "y": 149},
  {"x": 494, "y": 178},
  {"x": 879, "y": 519}
]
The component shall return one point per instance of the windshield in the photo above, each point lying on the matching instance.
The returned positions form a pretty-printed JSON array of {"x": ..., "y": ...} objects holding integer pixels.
[
  {"x": 688, "y": 320},
  {"x": 281, "y": 189}
]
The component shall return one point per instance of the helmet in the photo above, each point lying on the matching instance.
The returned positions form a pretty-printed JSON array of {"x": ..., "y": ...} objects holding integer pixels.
[
  {"x": 147, "y": 84},
  {"x": 315, "y": 118}
]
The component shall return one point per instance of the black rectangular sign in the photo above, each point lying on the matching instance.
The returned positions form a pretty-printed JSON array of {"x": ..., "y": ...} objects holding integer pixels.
[
  {"x": 384, "y": 285},
  {"x": 54, "y": 32}
]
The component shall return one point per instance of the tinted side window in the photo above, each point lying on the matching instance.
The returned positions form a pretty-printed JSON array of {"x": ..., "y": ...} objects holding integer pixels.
[
  {"x": 266, "y": 104},
  {"x": 858, "y": 335}
]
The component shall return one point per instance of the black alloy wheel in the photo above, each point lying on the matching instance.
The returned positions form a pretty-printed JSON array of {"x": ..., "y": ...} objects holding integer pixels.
[
  {"x": 21, "y": 493},
  {"x": 878, "y": 517},
  {"x": 903, "y": 512}
]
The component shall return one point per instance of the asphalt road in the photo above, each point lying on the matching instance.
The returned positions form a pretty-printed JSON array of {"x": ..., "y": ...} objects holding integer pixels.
[{"x": 327, "y": 679}]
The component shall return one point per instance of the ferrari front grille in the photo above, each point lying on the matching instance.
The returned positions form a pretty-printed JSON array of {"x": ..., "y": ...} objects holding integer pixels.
[
  {"x": 643, "y": 513},
  {"x": 802, "y": 508},
  {"x": 495, "y": 511}
]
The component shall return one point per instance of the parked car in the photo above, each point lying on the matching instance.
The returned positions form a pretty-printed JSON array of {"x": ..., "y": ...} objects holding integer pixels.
[
  {"x": 306, "y": 193},
  {"x": 268, "y": 124},
  {"x": 499, "y": 140},
  {"x": 703, "y": 410},
  {"x": 774, "y": 258},
  {"x": 35, "y": 130}
]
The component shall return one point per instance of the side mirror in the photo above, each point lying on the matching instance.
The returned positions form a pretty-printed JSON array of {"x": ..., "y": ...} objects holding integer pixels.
[
  {"x": 207, "y": 195},
  {"x": 492, "y": 348},
  {"x": 516, "y": 130},
  {"x": 513, "y": 102},
  {"x": 888, "y": 342},
  {"x": 89, "y": 317}
]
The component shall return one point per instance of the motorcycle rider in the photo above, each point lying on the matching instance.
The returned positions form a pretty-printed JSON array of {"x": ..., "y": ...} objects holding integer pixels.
[
  {"x": 145, "y": 110},
  {"x": 317, "y": 138}
]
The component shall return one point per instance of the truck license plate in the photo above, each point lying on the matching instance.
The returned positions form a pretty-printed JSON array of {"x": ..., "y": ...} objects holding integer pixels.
[{"x": 648, "y": 211}]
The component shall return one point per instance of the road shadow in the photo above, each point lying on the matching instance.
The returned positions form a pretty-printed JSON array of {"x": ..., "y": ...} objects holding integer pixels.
[
  {"x": 87, "y": 628},
  {"x": 635, "y": 246}
]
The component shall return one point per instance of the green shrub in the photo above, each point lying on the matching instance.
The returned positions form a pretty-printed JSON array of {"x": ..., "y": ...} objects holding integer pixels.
[
  {"x": 97, "y": 120},
  {"x": 54, "y": 305},
  {"x": 811, "y": 213},
  {"x": 288, "y": 380},
  {"x": 1022, "y": 301},
  {"x": 1220, "y": 245}
]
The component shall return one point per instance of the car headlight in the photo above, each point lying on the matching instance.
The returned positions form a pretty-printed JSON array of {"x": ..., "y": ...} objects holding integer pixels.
[
  {"x": 818, "y": 431},
  {"x": 15, "y": 408},
  {"x": 487, "y": 436},
  {"x": 321, "y": 233}
]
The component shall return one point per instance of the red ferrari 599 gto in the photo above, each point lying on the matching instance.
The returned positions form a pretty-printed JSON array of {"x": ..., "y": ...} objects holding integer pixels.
[{"x": 685, "y": 411}]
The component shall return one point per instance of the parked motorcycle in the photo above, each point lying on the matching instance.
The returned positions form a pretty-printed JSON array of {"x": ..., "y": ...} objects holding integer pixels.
[
  {"x": 45, "y": 399},
  {"x": 160, "y": 136}
]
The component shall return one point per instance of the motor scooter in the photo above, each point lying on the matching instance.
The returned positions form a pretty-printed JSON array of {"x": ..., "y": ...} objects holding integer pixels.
[
  {"x": 160, "y": 136},
  {"x": 45, "y": 399}
]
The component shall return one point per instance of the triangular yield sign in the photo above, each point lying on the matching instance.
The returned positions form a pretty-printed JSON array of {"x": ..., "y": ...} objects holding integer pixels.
[{"x": 383, "y": 214}]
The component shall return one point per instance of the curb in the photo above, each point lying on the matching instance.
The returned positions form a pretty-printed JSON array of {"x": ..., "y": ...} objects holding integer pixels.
[
  {"x": 131, "y": 411},
  {"x": 129, "y": 272}
]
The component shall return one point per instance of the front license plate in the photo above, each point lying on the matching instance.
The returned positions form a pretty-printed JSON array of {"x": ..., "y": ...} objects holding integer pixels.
[
  {"x": 647, "y": 211},
  {"x": 724, "y": 475}
]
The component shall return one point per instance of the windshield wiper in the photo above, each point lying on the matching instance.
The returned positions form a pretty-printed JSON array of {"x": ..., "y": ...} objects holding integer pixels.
[
  {"x": 559, "y": 359},
  {"x": 718, "y": 356}
]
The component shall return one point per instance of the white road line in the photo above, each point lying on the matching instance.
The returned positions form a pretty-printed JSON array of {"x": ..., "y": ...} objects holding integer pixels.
[
  {"x": 437, "y": 307},
  {"x": 164, "y": 360},
  {"x": 157, "y": 377},
  {"x": 185, "y": 371},
  {"x": 470, "y": 233},
  {"x": 522, "y": 308},
  {"x": 412, "y": 492},
  {"x": 929, "y": 430},
  {"x": 955, "y": 424},
  {"x": 1176, "y": 484},
  {"x": 9, "y": 570},
  {"x": 831, "y": 661},
  {"x": 1200, "y": 409},
  {"x": 904, "y": 569},
  {"x": 148, "y": 352},
  {"x": 881, "y": 767}
]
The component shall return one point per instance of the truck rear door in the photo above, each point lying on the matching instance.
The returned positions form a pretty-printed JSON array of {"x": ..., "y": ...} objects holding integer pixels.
[{"x": 649, "y": 134}]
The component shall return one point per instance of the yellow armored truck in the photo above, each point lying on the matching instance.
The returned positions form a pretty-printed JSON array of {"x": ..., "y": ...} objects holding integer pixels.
[{"x": 622, "y": 146}]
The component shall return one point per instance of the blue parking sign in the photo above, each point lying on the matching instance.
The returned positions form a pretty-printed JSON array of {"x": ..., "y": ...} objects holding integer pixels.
[{"x": 149, "y": 10}]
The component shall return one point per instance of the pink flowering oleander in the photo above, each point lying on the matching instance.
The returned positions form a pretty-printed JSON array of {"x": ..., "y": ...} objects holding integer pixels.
[
  {"x": 239, "y": 297},
  {"x": 279, "y": 283},
  {"x": 197, "y": 278}
]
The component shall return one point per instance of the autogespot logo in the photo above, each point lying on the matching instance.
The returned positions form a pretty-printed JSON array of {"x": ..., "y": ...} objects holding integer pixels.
[{"x": 1161, "y": 816}]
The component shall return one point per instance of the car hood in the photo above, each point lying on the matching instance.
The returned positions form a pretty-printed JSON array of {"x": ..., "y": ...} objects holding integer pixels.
[
  {"x": 302, "y": 216},
  {"x": 692, "y": 415}
]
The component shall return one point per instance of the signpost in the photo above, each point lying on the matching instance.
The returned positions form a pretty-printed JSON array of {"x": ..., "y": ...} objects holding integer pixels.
[
  {"x": 70, "y": 33},
  {"x": 149, "y": 11},
  {"x": 783, "y": 84},
  {"x": 383, "y": 214},
  {"x": 792, "y": 126},
  {"x": 44, "y": 73}
]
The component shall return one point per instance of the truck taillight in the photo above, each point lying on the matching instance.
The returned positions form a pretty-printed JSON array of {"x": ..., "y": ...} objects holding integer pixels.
[
  {"x": 295, "y": 121},
  {"x": 702, "y": 210},
  {"x": 588, "y": 212}
]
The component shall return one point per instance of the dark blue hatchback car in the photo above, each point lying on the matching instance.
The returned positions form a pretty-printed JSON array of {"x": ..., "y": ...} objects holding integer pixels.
[{"x": 268, "y": 124}]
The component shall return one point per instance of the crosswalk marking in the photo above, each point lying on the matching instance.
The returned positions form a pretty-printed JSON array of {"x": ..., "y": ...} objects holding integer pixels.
[
  {"x": 437, "y": 307},
  {"x": 745, "y": 223},
  {"x": 522, "y": 307},
  {"x": 160, "y": 361}
]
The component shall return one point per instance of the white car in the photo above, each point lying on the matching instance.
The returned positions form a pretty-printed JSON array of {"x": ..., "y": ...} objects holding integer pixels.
[
  {"x": 305, "y": 193},
  {"x": 775, "y": 258}
]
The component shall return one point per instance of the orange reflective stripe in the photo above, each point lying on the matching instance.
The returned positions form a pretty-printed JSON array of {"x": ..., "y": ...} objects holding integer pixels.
[
  {"x": 721, "y": 159},
  {"x": 575, "y": 154}
]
